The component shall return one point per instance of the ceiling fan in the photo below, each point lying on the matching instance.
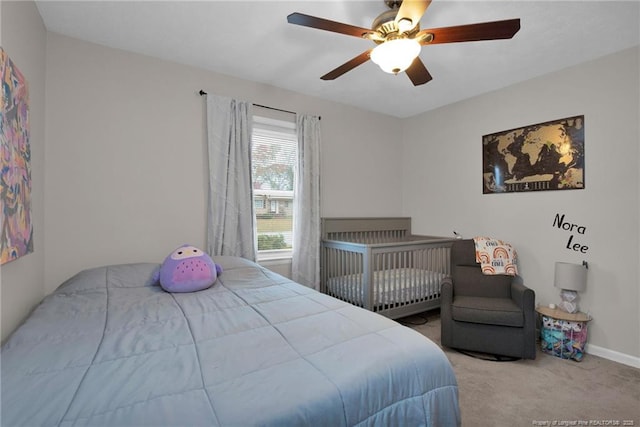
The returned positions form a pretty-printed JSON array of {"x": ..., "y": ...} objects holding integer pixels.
[{"x": 399, "y": 39}]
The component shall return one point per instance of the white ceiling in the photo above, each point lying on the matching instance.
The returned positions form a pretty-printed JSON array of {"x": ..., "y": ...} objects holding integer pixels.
[{"x": 252, "y": 40}]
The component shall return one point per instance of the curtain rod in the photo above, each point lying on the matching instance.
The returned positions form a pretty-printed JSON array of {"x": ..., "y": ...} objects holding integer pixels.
[{"x": 203, "y": 93}]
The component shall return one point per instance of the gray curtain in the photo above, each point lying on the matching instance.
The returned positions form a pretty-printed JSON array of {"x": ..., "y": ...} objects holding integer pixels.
[
  {"x": 305, "y": 267},
  {"x": 230, "y": 219}
]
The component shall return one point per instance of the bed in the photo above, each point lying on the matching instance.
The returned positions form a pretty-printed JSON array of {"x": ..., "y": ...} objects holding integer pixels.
[
  {"x": 378, "y": 264},
  {"x": 110, "y": 348}
]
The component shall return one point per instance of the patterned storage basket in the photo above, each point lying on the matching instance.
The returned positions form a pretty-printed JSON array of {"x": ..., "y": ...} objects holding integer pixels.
[{"x": 563, "y": 338}]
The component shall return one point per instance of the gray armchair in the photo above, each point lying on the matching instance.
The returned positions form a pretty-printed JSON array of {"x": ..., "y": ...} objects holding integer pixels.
[{"x": 493, "y": 314}]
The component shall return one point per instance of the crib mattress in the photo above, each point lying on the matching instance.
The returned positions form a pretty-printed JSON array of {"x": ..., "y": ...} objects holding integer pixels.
[{"x": 391, "y": 286}]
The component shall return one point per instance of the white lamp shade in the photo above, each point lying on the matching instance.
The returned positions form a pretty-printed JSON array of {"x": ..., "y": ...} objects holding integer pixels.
[
  {"x": 570, "y": 276},
  {"x": 395, "y": 56}
]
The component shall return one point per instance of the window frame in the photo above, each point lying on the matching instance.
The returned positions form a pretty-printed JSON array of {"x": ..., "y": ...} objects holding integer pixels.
[{"x": 277, "y": 128}]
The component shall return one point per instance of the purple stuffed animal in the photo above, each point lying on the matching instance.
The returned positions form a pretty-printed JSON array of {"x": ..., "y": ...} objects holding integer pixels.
[{"x": 188, "y": 269}]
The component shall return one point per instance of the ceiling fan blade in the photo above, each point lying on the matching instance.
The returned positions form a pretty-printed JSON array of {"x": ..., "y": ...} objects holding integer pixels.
[
  {"x": 472, "y": 32},
  {"x": 418, "y": 73},
  {"x": 412, "y": 10},
  {"x": 348, "y": 66},
  {"x": 325, "y": 24}
]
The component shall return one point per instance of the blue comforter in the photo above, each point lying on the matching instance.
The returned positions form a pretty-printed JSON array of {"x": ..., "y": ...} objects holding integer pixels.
[{"x": 109, "y": 347}]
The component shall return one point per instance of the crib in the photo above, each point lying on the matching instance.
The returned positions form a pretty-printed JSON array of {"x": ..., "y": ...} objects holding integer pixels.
[{"x": 377, "y": 264}]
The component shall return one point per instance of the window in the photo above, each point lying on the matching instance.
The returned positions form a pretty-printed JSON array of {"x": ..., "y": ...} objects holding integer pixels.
[{"x": 273, "y": 157}]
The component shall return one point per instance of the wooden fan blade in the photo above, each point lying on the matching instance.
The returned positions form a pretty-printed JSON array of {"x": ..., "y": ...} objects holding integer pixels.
[
  {"x": 327, "y": 25},
  {"x": 412, "y": 10},
  {"x": 348, "y": 66},
  {"x": 418, "y": 73},
  {"x": 472, "y": 32}
]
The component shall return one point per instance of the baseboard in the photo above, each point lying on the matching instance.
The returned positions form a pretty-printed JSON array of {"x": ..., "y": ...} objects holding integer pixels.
[{"x": 615, "y": 356}]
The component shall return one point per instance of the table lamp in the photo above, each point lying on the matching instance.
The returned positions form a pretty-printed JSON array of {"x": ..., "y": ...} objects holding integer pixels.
[{"x": 571, "y": 278}]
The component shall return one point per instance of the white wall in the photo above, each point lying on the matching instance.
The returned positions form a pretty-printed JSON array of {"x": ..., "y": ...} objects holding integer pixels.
[
  {"x": 126, "y": 155},
  {"x": 23, "y": 38},
  {"x": 442, "y": 187}
]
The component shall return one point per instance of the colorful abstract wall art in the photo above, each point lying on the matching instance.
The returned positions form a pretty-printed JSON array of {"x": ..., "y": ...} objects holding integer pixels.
[
  {"x": 545, "y": 156},
  {"x": 16, "y": 236}
]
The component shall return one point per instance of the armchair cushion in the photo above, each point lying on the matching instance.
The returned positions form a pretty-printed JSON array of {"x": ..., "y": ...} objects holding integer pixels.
[
  {"x": 464, "y": 253},
  {"x": 470, "y": 281},
  {"x": 489, "y": 311}
]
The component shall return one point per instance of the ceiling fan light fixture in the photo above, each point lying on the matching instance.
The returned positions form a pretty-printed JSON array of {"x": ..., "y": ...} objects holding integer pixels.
[
  {"x": 404, "y": 25},
  {"x": 395, "y": 56}
]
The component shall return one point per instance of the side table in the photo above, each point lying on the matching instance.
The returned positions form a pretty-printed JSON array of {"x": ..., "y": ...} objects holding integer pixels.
[{"x": 563, "y": 334}]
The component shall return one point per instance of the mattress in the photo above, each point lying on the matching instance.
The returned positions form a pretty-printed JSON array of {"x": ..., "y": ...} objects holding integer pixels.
[
  {"x": 110, "y": 348},
  {"x": 398, "y": 285}
]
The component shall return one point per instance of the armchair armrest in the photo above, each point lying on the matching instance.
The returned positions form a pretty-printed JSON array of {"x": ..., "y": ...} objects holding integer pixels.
[
  {"x": 526, "y": 300},
  {"x": 521, "y": 295},
  {"x": 446, "y": 318},
  {"x": 446, "y": 289}
]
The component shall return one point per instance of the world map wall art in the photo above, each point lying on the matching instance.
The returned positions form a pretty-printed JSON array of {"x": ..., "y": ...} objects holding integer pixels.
[
  {"x": 545, "y": 156},
  {"x": 16, "y": 237}
]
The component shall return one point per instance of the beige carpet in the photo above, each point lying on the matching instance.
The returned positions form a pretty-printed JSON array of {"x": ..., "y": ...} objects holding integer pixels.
[{"x": 545, "y": 391}]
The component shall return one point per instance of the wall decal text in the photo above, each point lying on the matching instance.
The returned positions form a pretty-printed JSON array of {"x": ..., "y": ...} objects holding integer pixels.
[{"x": 560, "y": 222}]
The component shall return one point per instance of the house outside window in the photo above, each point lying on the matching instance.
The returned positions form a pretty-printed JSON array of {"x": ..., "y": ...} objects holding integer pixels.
[{"x": 273, "y": 157}]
